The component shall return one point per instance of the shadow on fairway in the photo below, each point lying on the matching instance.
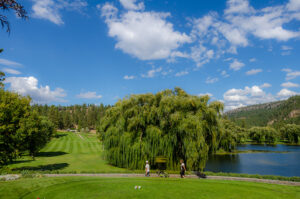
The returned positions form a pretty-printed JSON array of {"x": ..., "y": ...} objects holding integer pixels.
[
  {"x": 51, "y": 154},
  {"x": 47, "y": 167},
  {"x": 20, "y": 161},
  {"x": 60, "y": 135}
]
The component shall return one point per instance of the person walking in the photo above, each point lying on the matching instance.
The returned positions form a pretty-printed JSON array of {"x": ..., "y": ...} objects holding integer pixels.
[
  {"x": 147, "y": 169},
  {"x": 182, "y": 169}
]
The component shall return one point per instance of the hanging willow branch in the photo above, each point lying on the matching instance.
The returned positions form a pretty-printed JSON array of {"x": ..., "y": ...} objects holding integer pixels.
[{"x": 169, "y": 124}]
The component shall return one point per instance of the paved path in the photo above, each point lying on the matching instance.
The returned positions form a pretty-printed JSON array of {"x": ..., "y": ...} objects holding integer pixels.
[{"x": 118, "y": 175}]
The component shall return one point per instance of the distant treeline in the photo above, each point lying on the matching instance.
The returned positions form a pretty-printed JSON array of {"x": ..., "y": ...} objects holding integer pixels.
[
  {"x": 79, "y": 117},
  {"x": 275, "y": 114}
]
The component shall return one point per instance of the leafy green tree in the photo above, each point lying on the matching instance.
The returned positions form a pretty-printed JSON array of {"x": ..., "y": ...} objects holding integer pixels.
[
  {"x": 291, "y": 132},
  {"x": 263, "y": 135},
  {"x": 232, "y": 135},
  {"x": 36, "y": 132},
  {"x": 2, "y": 79},
  {"x": 13, "y": 108},
  {"x": 170, "y": 123}
]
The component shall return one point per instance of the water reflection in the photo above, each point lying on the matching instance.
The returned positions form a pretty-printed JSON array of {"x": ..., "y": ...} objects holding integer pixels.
[{"x": 272, "y": 162}]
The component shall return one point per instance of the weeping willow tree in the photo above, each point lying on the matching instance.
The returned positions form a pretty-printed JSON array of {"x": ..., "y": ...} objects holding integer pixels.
[{"x": 170, "y": 123}]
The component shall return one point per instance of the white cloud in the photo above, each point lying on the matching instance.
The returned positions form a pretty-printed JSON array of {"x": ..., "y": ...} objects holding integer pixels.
[
  {"x": 252, "y": 60},
  {"x": 224, "y": 74},
  {"x": 241, "y": 21},
  {"x": 129, "y": 77},
  {"x": 50, "y": 9},
  {"x": 11, "y": 71},
  {"x": 151, "y": 73},
  {"x": 238, "y": 7},
  {"x": 253, "y": 71},
  {"x": 285, "y": 53},
  {"x": 289, "y": 84},
  {"x": 204, "y": 94},
  {"x": 7, "y": 62},
  {"x": 29, "y": 86},
  {"x": 290, "y": 74},
  {"x": 89, "y": 95},
  {"x": 181, "y": 73},
  {"x": 210, "y": 80},
  {"x": 286, "y": 47},
  {"x": 285, "y": 93},
  {"x": 236, "y": 98},
  {"x": 131, "y": 5},
  {"x": 164, "y": 73},
  {"x": 236, "y": 65},
  {"x": 265, "y": 85},
  {"x": 293, "y": 5},
  {"x": 145, "y": 35},
  {"x": 201, "y": 55}
]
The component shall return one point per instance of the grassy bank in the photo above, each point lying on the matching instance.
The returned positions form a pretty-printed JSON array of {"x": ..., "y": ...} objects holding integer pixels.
[
  {"x": 68, "y": 153},
  {"x": 82, "y": 153},
  {"x": 270, "y": 177},
  {"x": 92, "y": 187}
]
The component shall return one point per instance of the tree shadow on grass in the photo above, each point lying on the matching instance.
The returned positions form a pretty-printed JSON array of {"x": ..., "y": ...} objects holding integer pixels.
[
  {"x": 20, "y": 161},
  {"x": 47, "y": 167},
  {"x": 60, "y": 135},
  {"x": 50, "y": 154}
]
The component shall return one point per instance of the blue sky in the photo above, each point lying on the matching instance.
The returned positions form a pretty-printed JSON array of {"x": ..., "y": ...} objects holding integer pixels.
[{"x": 95, "y": 51}]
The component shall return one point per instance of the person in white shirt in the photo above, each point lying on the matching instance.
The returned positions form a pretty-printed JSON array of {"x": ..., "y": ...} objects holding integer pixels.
[
  {"x": 182, "y": 169},
  {"x": 147, "y": 169}
]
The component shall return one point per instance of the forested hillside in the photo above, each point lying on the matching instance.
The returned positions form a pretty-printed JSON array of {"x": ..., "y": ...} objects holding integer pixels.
[
  {"x": 72, "y": 117},
  {"x": 273, "y": 113}
]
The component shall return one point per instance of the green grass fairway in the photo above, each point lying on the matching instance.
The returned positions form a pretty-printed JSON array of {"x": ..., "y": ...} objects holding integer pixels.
[
  {"x": 69, "y": 153},
  {"x": 154, "y": 188}
]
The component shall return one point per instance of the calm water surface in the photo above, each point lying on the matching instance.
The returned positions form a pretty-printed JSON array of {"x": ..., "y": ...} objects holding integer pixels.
[{"x": 265, "y": 163}]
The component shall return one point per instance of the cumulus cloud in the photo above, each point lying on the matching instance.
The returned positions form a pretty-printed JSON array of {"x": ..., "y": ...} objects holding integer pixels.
[
  {"x": 252, "y": 60},
  {"x": 89, "y": 95},
  {"x": 285, "y": 93},
  {"x": 265, "y": 85},
  {"x": 210, "y": 80},
  {"x": 51, "y": 9},
  {"x": 145, "y": 35},
  {"x": 238, "y": 7},
  {"x": 236, "y": 98},
  {"x": 293, "y": 5},
  {"x": 7, "y": 62},
  {"x": 204, "y": 94},
  {"x": 151, "y": 73},
  {"x": 131, "y": 5},
  {"x": 289, "y": 84},
  {"x": 241, "y": 21},
  {"x": 39, "y": 94},
  {"x": 236, "y": 65},
  {"x": 11, "y": 71},
  {"x": 181, "y": 73},
  {"x": 201, "y": 55},
  {"x": 224, "y": 74},
  {"x": 129, "y": 77},
  {"x": 291, "y": 74},
  {"x": 286, "y": 47},
  {"x": 253, "y": 71}
]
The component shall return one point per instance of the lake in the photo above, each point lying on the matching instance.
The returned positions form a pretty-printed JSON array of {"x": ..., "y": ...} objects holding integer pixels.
[{"x": 283, "y": 160}]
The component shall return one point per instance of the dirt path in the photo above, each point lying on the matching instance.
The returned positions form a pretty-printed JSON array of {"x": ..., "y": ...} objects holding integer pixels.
[{"x": 118, "y": 175}]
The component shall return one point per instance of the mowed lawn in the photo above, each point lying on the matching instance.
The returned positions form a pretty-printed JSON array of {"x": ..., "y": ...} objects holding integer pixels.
[
  {"x": 94, "y": 187},
  {"x": 69, "y": 152}
]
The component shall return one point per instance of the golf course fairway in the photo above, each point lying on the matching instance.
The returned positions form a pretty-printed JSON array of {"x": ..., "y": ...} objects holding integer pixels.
[{"x": 95, "y": 187}]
